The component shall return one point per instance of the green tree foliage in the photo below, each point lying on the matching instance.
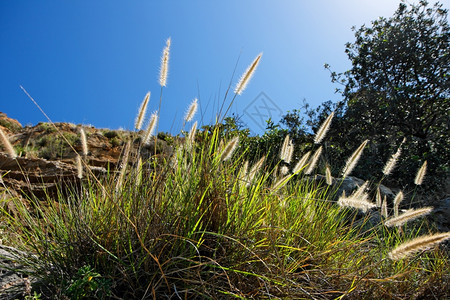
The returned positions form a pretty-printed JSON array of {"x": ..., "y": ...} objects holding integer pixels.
[{"x": 398, "y": 87}]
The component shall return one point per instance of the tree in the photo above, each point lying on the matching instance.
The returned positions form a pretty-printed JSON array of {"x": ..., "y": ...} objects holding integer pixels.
[{"x": 399, "y": 86}]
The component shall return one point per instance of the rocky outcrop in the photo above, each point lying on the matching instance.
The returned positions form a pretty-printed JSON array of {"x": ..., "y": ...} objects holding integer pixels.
[{"x": 13, "y": 284}]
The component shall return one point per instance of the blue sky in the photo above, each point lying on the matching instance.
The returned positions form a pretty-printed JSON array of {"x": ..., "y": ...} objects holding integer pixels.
[{"x": 92, "y": 62}]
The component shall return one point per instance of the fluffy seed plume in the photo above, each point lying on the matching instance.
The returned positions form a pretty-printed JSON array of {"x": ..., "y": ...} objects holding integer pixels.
[
  {"x": 191, "y": 111},
  {"x": 284, "y": 147},
  {"x": 150, "y": 128},
  {"x": 378, "y": 197},
  {"x": 79, "y": 167},
  {"x": 312, "y": 163},
  {"x": 390, "y": 165},
  {"x": 8, "y": 147},
  {"x": 418, "y": 244},
  {"x": 191, "y": 135},
  {"x": 284, "y": 170},
  {"x": 301, "y": 163},
  {"x": 281, "y": 182},
  {"x": 353, "y": 160},
  {"x": 139, "y": 172},
  {"x": 243, "y": 171},
  {"x": 84, "y": 144},
  {"x": 398, "y": 198},
  {"x": 384, "y": 211},
  {"x": 360, "y": 193},
  {"x": 351, "y": 201},
  {"x": 255, "y": 169},
  {"x": 123, "y": 165},
  {"x": 164, "y": 64},
  {"x": 323, "y": 129},
  {"x": 421, "y": 174},
  {"x": 229, "y": 149},
  {"x": 142, "y": 110},
  {"x": 409, "y": 215},
  {"x": 245, "y": 78},
  {"x": 328, "y": 177}
]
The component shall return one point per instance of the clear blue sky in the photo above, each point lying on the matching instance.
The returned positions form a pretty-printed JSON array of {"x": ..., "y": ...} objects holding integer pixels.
[{"x": 92, "y": 62}]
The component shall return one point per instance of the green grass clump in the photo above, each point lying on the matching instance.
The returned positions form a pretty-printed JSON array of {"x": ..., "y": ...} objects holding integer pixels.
[
  {"x": 192, "y": 226},
  {"x": 203, "y": 223}
]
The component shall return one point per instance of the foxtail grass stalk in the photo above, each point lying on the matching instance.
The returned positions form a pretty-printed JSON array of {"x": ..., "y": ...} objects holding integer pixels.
[
  {"x": 8, "y": 147},
  {"x": 409, "y": 215},
  {"x": 312, "y": 163},
  {"x": 284, "y": 148},
  {"x": 353, "y": 160},
  {"x": 191, "y": 111},
  {"x": 360, "y": 192},
  {"x": 390, "y": 165},
  {"x": 229, "y": 149},
  {"x": 79, "y": 167},
  {"x": 164, "y": 70},
  {"x": 323, "y": 129},
  {"x": 378, "y": 198},
  {"x": 191, "y": 136},
  {"x": 328, "y": 177},
  {"x": 243, "y": 172},
  {"x": 358, "y": 203},
  {"x": 255, "y": 169},
  {"x": 150, "y": 128},
  {"x": 139, "y": 172},
  {"x": 301, "y": 163},
  {"x": 123, "y": 165},
  {"x": 421, "y": 174},
  {"x": 84, "y": 143},
  {"x": 398, "y": 198},
  {"x": 421, "y": 243},
  {"x": 142, "y": 110},
  {"x": 281, "y": 182},
  {"x": 245, "y": 78},
  {"x": 240, "y": 86},
  {"x": 384, "y": 211}
]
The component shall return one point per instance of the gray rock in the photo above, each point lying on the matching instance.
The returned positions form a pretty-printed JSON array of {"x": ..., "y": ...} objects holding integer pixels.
[
  {"x": 13, "y": 283},
  {"x": 441, "y": 215}
]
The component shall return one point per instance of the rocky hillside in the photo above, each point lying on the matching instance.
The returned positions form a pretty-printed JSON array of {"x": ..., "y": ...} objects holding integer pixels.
[{"x": 46, "y": 159}]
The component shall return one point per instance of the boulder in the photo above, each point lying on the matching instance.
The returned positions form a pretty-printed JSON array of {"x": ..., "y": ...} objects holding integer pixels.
[{"x": 441, "y": 215}]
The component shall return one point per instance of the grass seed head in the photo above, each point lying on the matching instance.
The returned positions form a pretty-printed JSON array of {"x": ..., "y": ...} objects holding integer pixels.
[
  {"x": 191, "y": 111},
  {"x": 398, "y": 198},
  {"x": 301, "y": 163},
  {"x": 390, "y": 165},
  {"x": 84, "y": 144},
  {"x": 378, "y": 197},
  {"x": 353, "y": 160},
  {"x": 79, "y": 167},
  {"x": 384, "y": 211},
  {"x": 421, "y": 174},
  {"x": 284, "y": 170},
  {"x": 312, "y": 163},
  {"x": 323, "y": 129},
  {"x": 229, "y": 149},
  {"x": 141, "y": 114},
  {"x": 150, "y": 128},
  {"x": 409, "y": 215},
  {"x": 255, "y": 169},
  {"x": 351, "y": 201},
  {"x": 191, "y": 136},
  {"x": 8, "y": 147},
  {"x": 328, "y": 177},
  {"x": 164, "y": 70},
  {"x": 421, "y": 243},
  {"x": 245, "y": 78}
]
